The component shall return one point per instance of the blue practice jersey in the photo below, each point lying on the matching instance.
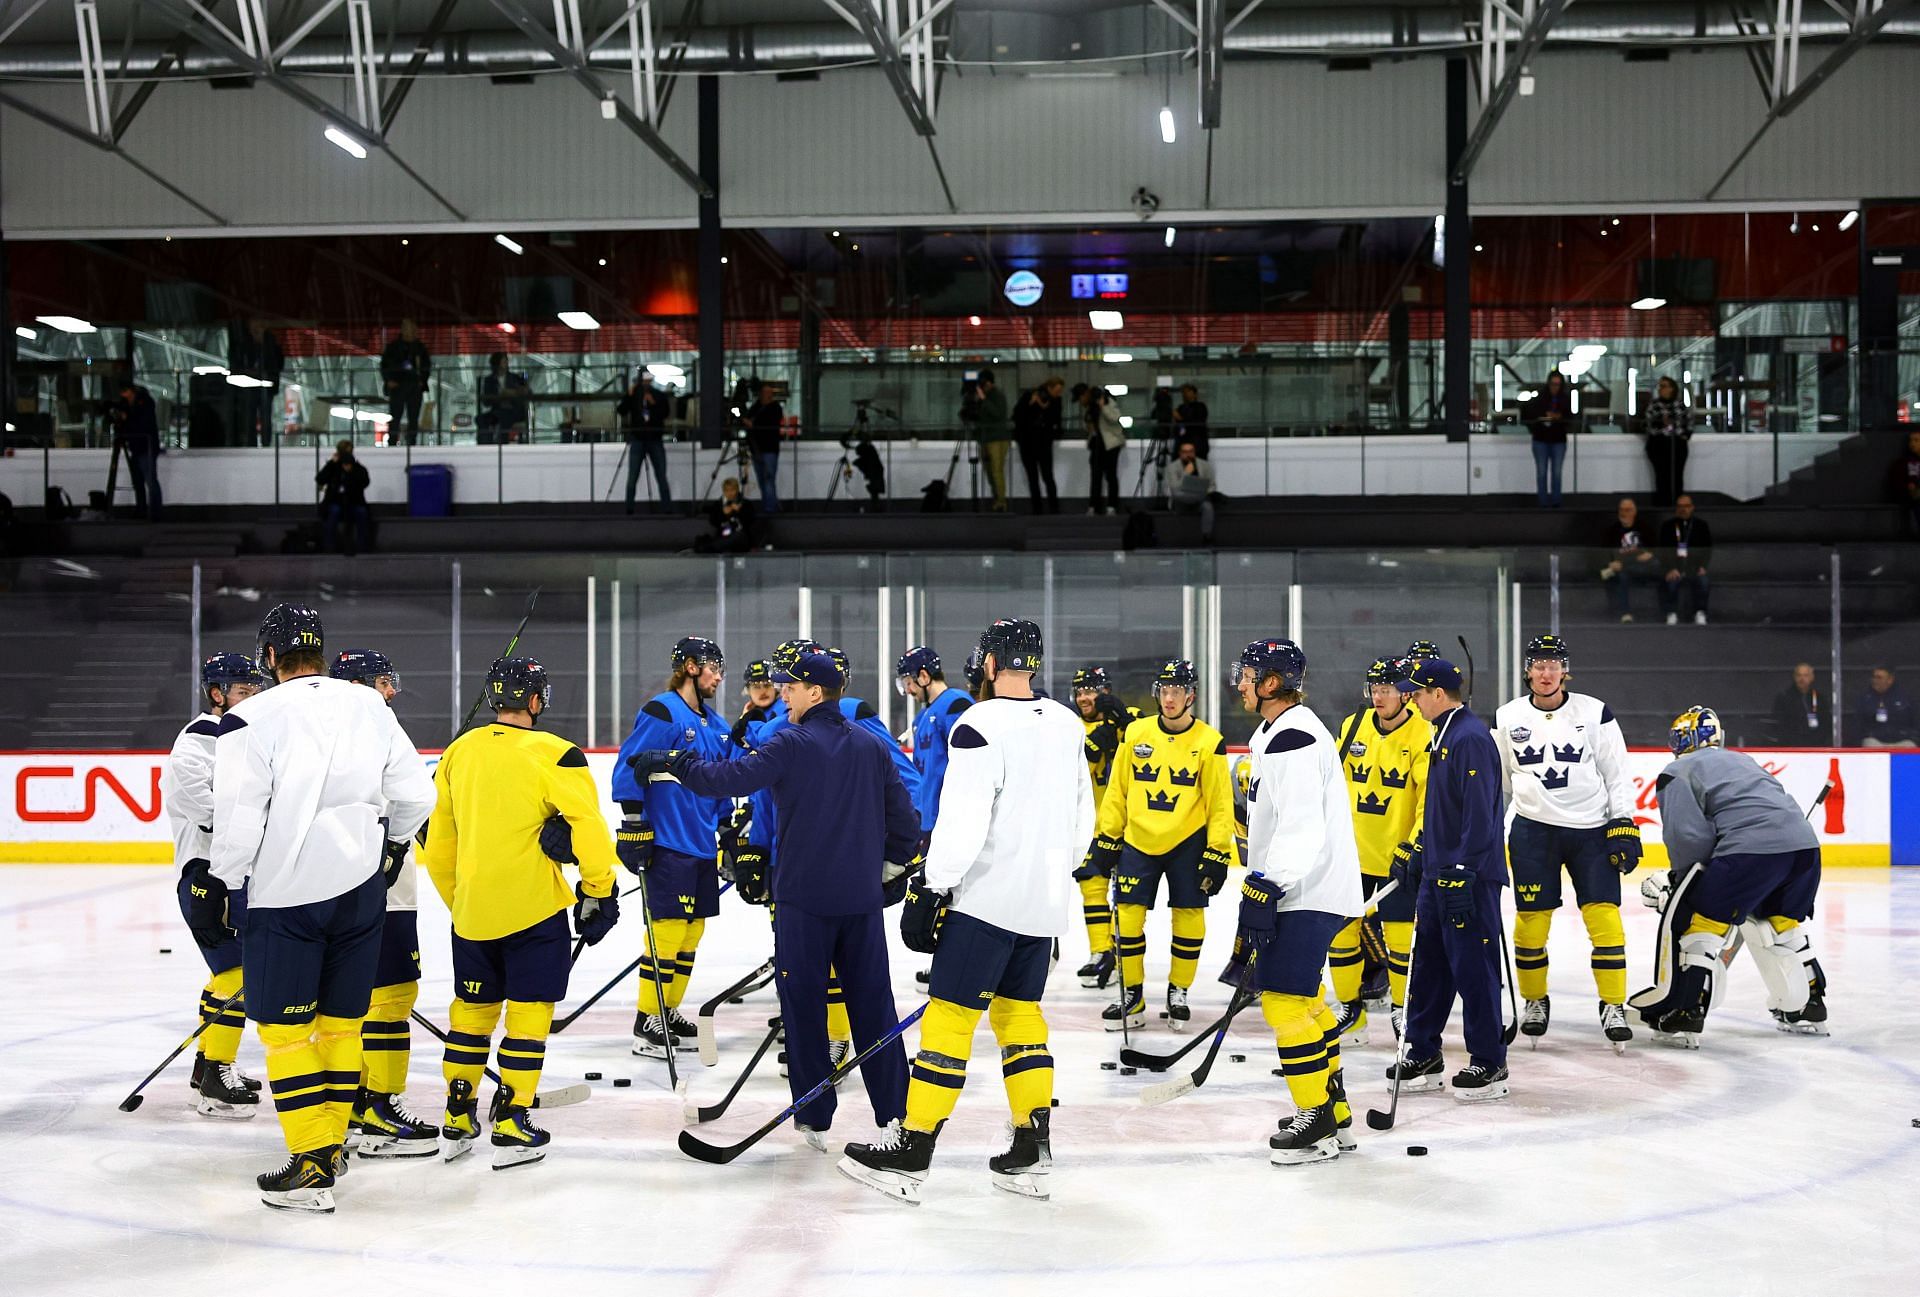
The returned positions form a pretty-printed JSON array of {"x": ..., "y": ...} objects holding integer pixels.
[
  {"x": 682, "y": 821},
  {"x": 930, "y": 730},
  {"x": 765, "y": 828},
  {"x": 863, "y": 717}
]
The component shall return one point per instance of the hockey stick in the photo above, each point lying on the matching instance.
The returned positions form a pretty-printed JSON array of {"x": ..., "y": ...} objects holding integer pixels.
[
  {"x": 710, "y": 1047},
  {"x": 1469, "y": 653},
  {"x": 698, "y": 1116},
  {"x": 721, "y": 1154},
  {"x": 135, "y": 1098},
  {"x": 1167, "y": 1091},
  {"x": 561, "y": 1024},
  {"x": 512, "y": 644},
  {"x": 1377, "y": 1120},
  {"x": 1511, "y": 1029},
  {"x": 564, "y": 1096},
  {"x": 659, "y": 989}
]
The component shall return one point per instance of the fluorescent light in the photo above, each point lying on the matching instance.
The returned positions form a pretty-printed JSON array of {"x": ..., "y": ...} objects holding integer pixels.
[
  {"x": 1116, "y": 389},
  {"x": 1846, "y": 222},
  {"x": 974, "y": 320},
  {"x": 1573, "y": 400},
  {"x": 1649, "y": 303},
  {"x": 1117, "y": 357},
  {"x": 209, "y": 369},
  {"x": 1166, "y": 125},
  {"x": 66, "y": 323},
  {"x": 1126, "y": 421},
  {"x": 508, "y": 244},
  {"x": 667, "y": 370},
  {"x": 1170, "y": 236},
  {"x": 244, "y": 380},
  {"x": 1589, "y": 350},
  {"x": 22, "y": 331},
  {"x": 507, "y": 328},
  {"x": 1633, "y": 396},
  {"x": 340, "y": 139},
  {"x": 341, "y": 411},
  {"x": 578, "y": 320},
  {"x": 1498, "y": 382},
  {"x": 372, "y": 416},
  {"x": 1106, "y": 321}
]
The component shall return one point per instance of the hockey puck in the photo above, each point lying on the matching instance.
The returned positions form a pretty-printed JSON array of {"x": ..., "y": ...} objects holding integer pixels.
[
  {"x": 1416, "y": 1150},
  {"x": 1056, "y": 1103},
  {"x": 1236, "y": 1058},
  {"x": 1128, "y": 1071},
  {"x": 593, "y": 1076},
  {"x": 622, "y": 1082},
  {"x": 1916, "y": 1121},
  {"x": 1109, "y": 1065},
  {"x": 738, "y": 999},
  {"x": 1163, "y": 1015},
  {"x": 168, "y": 950}
]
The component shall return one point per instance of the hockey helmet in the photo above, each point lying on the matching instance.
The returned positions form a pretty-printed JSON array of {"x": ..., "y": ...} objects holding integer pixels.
[
  {"x": 700, "y": 650},
  {"x": 1091, "y": 677},
  {"x": 1547, "y": 648},
  {"x": 1014, "y": 644},
  {"x": 759, "y": 672},
  {"x": 786, "y": 653},
  {"x": 287, "y": 628},
  {"x": 512, "y": 683},
  {"x": 1422, "y": 650},
  {"x": 1176, "y": 673},
  {"x": 1271, "y": 657},
  {"x": 915, "y": 660},
  {"x": 841, "y": 661},
  {"x": 1693, "y": 729},
  {"x": 224, "y": 669},
  {"x": 1387, "y": 671},
  {"x": 364, "y": 666}
]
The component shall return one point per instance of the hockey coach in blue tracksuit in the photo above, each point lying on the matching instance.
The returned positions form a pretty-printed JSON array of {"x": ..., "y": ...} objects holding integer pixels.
[{"x": 843, "y": 814}]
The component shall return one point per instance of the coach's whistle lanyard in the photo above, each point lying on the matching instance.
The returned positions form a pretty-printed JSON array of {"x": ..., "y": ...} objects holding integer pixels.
[{"x": 1440, "y": 735}]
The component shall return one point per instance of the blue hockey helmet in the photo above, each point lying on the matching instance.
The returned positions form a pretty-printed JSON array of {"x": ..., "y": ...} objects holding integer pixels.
[
  {"x": 364, "y": 666},
  {"x": 786, "y": 653},
  {"x": 1693, "y": 729},
  {"x": 917, "y": 659},
  {"x": 287, "y": 628},
  {"x": 758, "y": 672},
  {"x": 224, "y": 669},
  {"x": 1546, "y": 648},
  {"x": 1273, "y": 657},
  {"x": 512, "y": 683},
  {"x": 699, "y": 650},
  {"x": 840, "y": 661}
]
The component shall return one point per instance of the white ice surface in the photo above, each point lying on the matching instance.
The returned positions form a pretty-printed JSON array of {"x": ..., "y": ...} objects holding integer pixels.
[{"x": 1762, "y": 1163}]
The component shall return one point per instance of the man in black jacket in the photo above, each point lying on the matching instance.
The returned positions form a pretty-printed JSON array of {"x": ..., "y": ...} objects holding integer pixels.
[
  {"x": 344, "y": 480},
  {"x": 1685, "y": 544},
  {"x": 136, "y": 425},
  {"x": 1799, "y": 717},
  {"x": 404, "y": 368},
  {"x": 763, "y": 439}
]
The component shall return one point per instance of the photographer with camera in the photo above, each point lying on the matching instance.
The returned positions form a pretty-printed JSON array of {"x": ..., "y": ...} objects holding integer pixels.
[
  {"x": 1036, "y": 423},
  {"x": 763, "y": 440},
  {"x": 994, "y": 434},
  {"x": 643, "y": 416},
  {"x": 732, "y": 519},
  {"x": 136, "y": 431},
  {"x": 1106, "y": 438},
  {"x": 344, "y": 481}
]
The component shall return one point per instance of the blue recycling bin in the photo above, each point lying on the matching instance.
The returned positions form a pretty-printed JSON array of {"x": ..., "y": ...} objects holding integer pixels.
[{"x": 429, "y": 490}]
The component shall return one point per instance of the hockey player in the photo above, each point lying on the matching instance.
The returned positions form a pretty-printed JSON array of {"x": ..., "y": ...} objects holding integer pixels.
[
  {"x": 1168, "y": 812},
  {"x": 1014, "y": 815},
  {"x": 1421, "y": 650},
  {"x": 186, "y": 790},
  {"x": 1742, "y": 854},
  {"x": 302, "y": 774},
  {"x": 1459, "y": 872},
  {"x": 1563, "y": 762},
  {"x": 496, "y": 787},
  {"x": 1302, "y": 887},
  {"x": 1105, "y": 719},
  {"x": 863, "y": 716},
  {"x": 668, "y": 838},
  {"x": 761, "y": 691},
  {"x": 382, "y": 1126},
  {"x": 842, "y": 813},
  {"x": 1383, "y": 748},
  {"x": 919, "y": 676}
]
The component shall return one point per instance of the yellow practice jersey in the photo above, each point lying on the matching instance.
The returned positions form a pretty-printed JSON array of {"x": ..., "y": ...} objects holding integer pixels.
[
  {"x": 1100, "y": 768},
  {"x": 1387, "y": 782},
  {"x": 1167, "y": 787},
  {"x": 496, "y": 787}
]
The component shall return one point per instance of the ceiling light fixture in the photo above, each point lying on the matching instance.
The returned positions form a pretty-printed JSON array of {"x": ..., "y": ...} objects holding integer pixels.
[
  {"x": 1846, "y": 222},
  {"x": 341, "y": 140},
  {"x": 1106, "y": 321},
  {"x": 66, "y": 323},
  {"x": 578, "y": 320},
  {"x": 1166, "y": 126},
  {"x": 508, "y": 244},
  {"x": 1649, "y": 303}
]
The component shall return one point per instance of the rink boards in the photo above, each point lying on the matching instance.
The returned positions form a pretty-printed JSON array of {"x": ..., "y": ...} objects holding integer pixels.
[{"x": 98, "y": 807}]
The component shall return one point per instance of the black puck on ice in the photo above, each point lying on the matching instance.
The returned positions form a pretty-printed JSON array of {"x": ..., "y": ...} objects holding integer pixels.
[
  {"x": 622, "y": 1082},
  {"x": 1056, "y": 1103},
  {"x": 593, "y": 1076},
  {"x": 1416, "y": 1150},
  {"x": 1108, "y": 1066},
  {"x": 1128, "y": 1071},
  {"x": 1236, "y": 1058},
  {"x": 738, "y": 999},
  {"x": 168, "y": 950},
  {"x": 1163, "y": 1015}
]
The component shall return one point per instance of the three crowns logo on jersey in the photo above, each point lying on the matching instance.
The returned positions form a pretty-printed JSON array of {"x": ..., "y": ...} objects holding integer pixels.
[
  {"x": 1373, "y": 804},
  {"x": 1146, "y": 774},
  {"x": 1182, "y": 778},
  {"x": 1162, "y": 801},
  {"x": 1569, "y": 754}
]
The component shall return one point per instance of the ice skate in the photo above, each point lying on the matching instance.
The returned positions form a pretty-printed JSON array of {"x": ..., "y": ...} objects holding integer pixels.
[
  {"x": 1475, "y": 1083},
  {"x": 386, "y": 1129},
  {"x": 1310, "y": 1135},
  {"x": 1342, "y": 1112},
  {"x": 838, "y": 1052},
  {"x": 1613, "y": 1021},
  {"x": 685, "y": 1035},
  {"x": 1134, "y": 1013},
  {"x": 816, "y": 1139},
  {"x": 1350, "y": 1024},
  {"x": 462, "y": 1126},
  {"x": 1097, "y": 972},
  {"x": 650, "y": 1038},
  {"x": 1418, "y": 1076},
  {"x": 305, "y": 1183},
  {"x": 1811, "y": 1020},
  {"x": 223, "y": 1093},
  {"x": 1399, "y": 1018},
  {"x": 1027, "y": 1165},
  {"x": 1179, "y": 1014},
  {"x": 202, "y": 1064},
  {"x": 1533, "y": 1019},
  {"x": 516, "y": 1140},
  {"x": 895, "y": 1163}
]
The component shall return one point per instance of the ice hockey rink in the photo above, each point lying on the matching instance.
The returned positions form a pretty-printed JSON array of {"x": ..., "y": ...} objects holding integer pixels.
[{"x": 1762, "y": 1163}]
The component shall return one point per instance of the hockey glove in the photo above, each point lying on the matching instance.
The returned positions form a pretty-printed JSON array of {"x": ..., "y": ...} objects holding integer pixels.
[
  {"x": 206, "y": 906},
  {"x": 594, "y": 916},
  {"x": 1405, "y": 866},
  {"x": 1102, "y": 857},
  {"x": 1213, "y": 871},
  {"x": 750, "y": 873},
  {"x": 1454, "y": 886},
  {"x": 393, "y": 857},
  {"x": 727, "y": 838},
  {"x": 655, "y": 762},
  {"x": 1623, "y": 843},
  {"x": 921, "y": 916},
  {"x": 897, "y": 875},
  {"x": 556, "y": 840},
  {"x": 1093, "y": 865},
  {"x": 738, "y": 734},
  {"x": 1260, "y": 900},
  {"x": 1373, "y": 940},
  {"x": 633, "y": 843}
]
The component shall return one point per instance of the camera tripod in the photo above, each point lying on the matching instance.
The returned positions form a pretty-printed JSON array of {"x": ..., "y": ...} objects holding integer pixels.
[
  {"x": 742, "y": 464},
  {"x": 1155, "y": 457}
]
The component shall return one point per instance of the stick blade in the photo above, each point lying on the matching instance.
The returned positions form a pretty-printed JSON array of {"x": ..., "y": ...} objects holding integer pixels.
[
  {"x": 1378, "y": 1120},
  {"x": 1152, "y": 1062},
  {"x": 701, "y": 1151},
  {"x": 131, "y": 1102},
  {"x": 709, "y": 1043},
  {"x": 1167, "y": 1091},
  {"x": 564, "y": 1096}
]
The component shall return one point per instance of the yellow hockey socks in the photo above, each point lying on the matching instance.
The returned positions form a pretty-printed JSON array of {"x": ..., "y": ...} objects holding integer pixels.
[
  {"x": 838, "y": 1028},
  {"x": 683, "y": 967},
  {"x": 386, "y": 1042},
  {"x": 940, "y": 1068},
  {"x": 523, "y": 1049},
  {"x": 1609, "y": 939},
  {"x": 1189, "y": 931},
  {"x": 1530, "y": 928},
  {"x": 1303, "y": 1044},
  {"x": 469, "y": 1036},
  {"x": 338, "y": 1043},
  {"x": 220, "y": 1042},
  {"x": 1093, "y": 904},
  {"x": 1345, "y": 964},
  {"x": 660, "y": 952},
  {"x": 1399, "y": 945},
  {"x": 298, "y": 1081},
  {"x": 1133, "y": 947},
  {"x": 1026, "y": 1065}
]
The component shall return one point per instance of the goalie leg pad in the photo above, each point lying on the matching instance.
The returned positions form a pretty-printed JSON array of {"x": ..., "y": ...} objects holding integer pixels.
[
  {"x": 1678, "y": 950},
  {"x": 1781, "y": 958}
]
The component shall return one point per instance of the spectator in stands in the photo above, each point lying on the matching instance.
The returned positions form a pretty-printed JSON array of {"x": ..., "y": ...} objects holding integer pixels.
[
  {"x": 1669, "y": 426},
  {"x": 404, "y": 368},
  {"x": 1906, "y": 484},
  {"x": 1190, "y": 486},
  {"x": 1106, "y": 438},
  {"x": 763, "y": 440},
  {"x": 1799, "y": 716},
  {"x": 994, "y": 431},
  {"x": 254, "y": 352},
  {"x": 136, "y": 427},
  {"x": 1885, "y": 717},
  {"x": 1548, "y": 416},
  {"x": 343, "y": 481},
  {"x": 1036, "y": 424},
  {"x": 731, "y": 517},
  {"x": 503, "y": 402},
  {"x": 1632, "y": 562},
  {"x": 1686, "y": 544},
  {"x": 643, "y": 421},
  {"x": 1190, "y": 419}
]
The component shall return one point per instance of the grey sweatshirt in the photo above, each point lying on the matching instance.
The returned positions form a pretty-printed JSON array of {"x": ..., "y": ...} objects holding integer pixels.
[{"x": 1716, "y": 803}]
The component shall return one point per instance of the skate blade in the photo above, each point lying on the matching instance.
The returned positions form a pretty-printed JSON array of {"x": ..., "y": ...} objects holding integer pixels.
[
  {"x": 1325, "y": 1150},
  {"x": 1344, "y": 1138},
  {"x": 1484, "y": 1094},
  {"x": 453, "y": 1149},
  {"x": 401, "y": 1148},
  {"x": 816, "y": 1140},
  {"x": 1677, "y": 1039},
  {"x": 649, "y": 1050},
  {"x": 895, "y": 1185},
  {"x": 1178, "y": 1024},
  {"x": 683, "y": 1045},
  {"x": 1025, "y": 1184},
  {"x": 1422, "y": 1085},
  {"x": 1134, "y": 1022},
  {"x": 1802, "y": 1028},
  {"x": 235, "y": 1111},
  {"x": 1096, "y": 983},
  {"x": 317, "y": 1201},
  {"x": 1619, "y": 1046},
  {"x": 508, "y": 1156}
]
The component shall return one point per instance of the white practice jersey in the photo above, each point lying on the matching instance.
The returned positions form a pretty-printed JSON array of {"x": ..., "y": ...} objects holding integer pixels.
[
  {"x": 1016, "y": 814},
  {"x": 186, "y": 789},
  {"x": 1299, "y": 824},
  {"x": 303, "y": 773},
  {"x": 1566, "y": 767}
]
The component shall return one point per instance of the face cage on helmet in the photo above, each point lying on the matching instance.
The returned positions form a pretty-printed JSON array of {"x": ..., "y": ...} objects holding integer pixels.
[{"x": 1161, "y": 686}]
